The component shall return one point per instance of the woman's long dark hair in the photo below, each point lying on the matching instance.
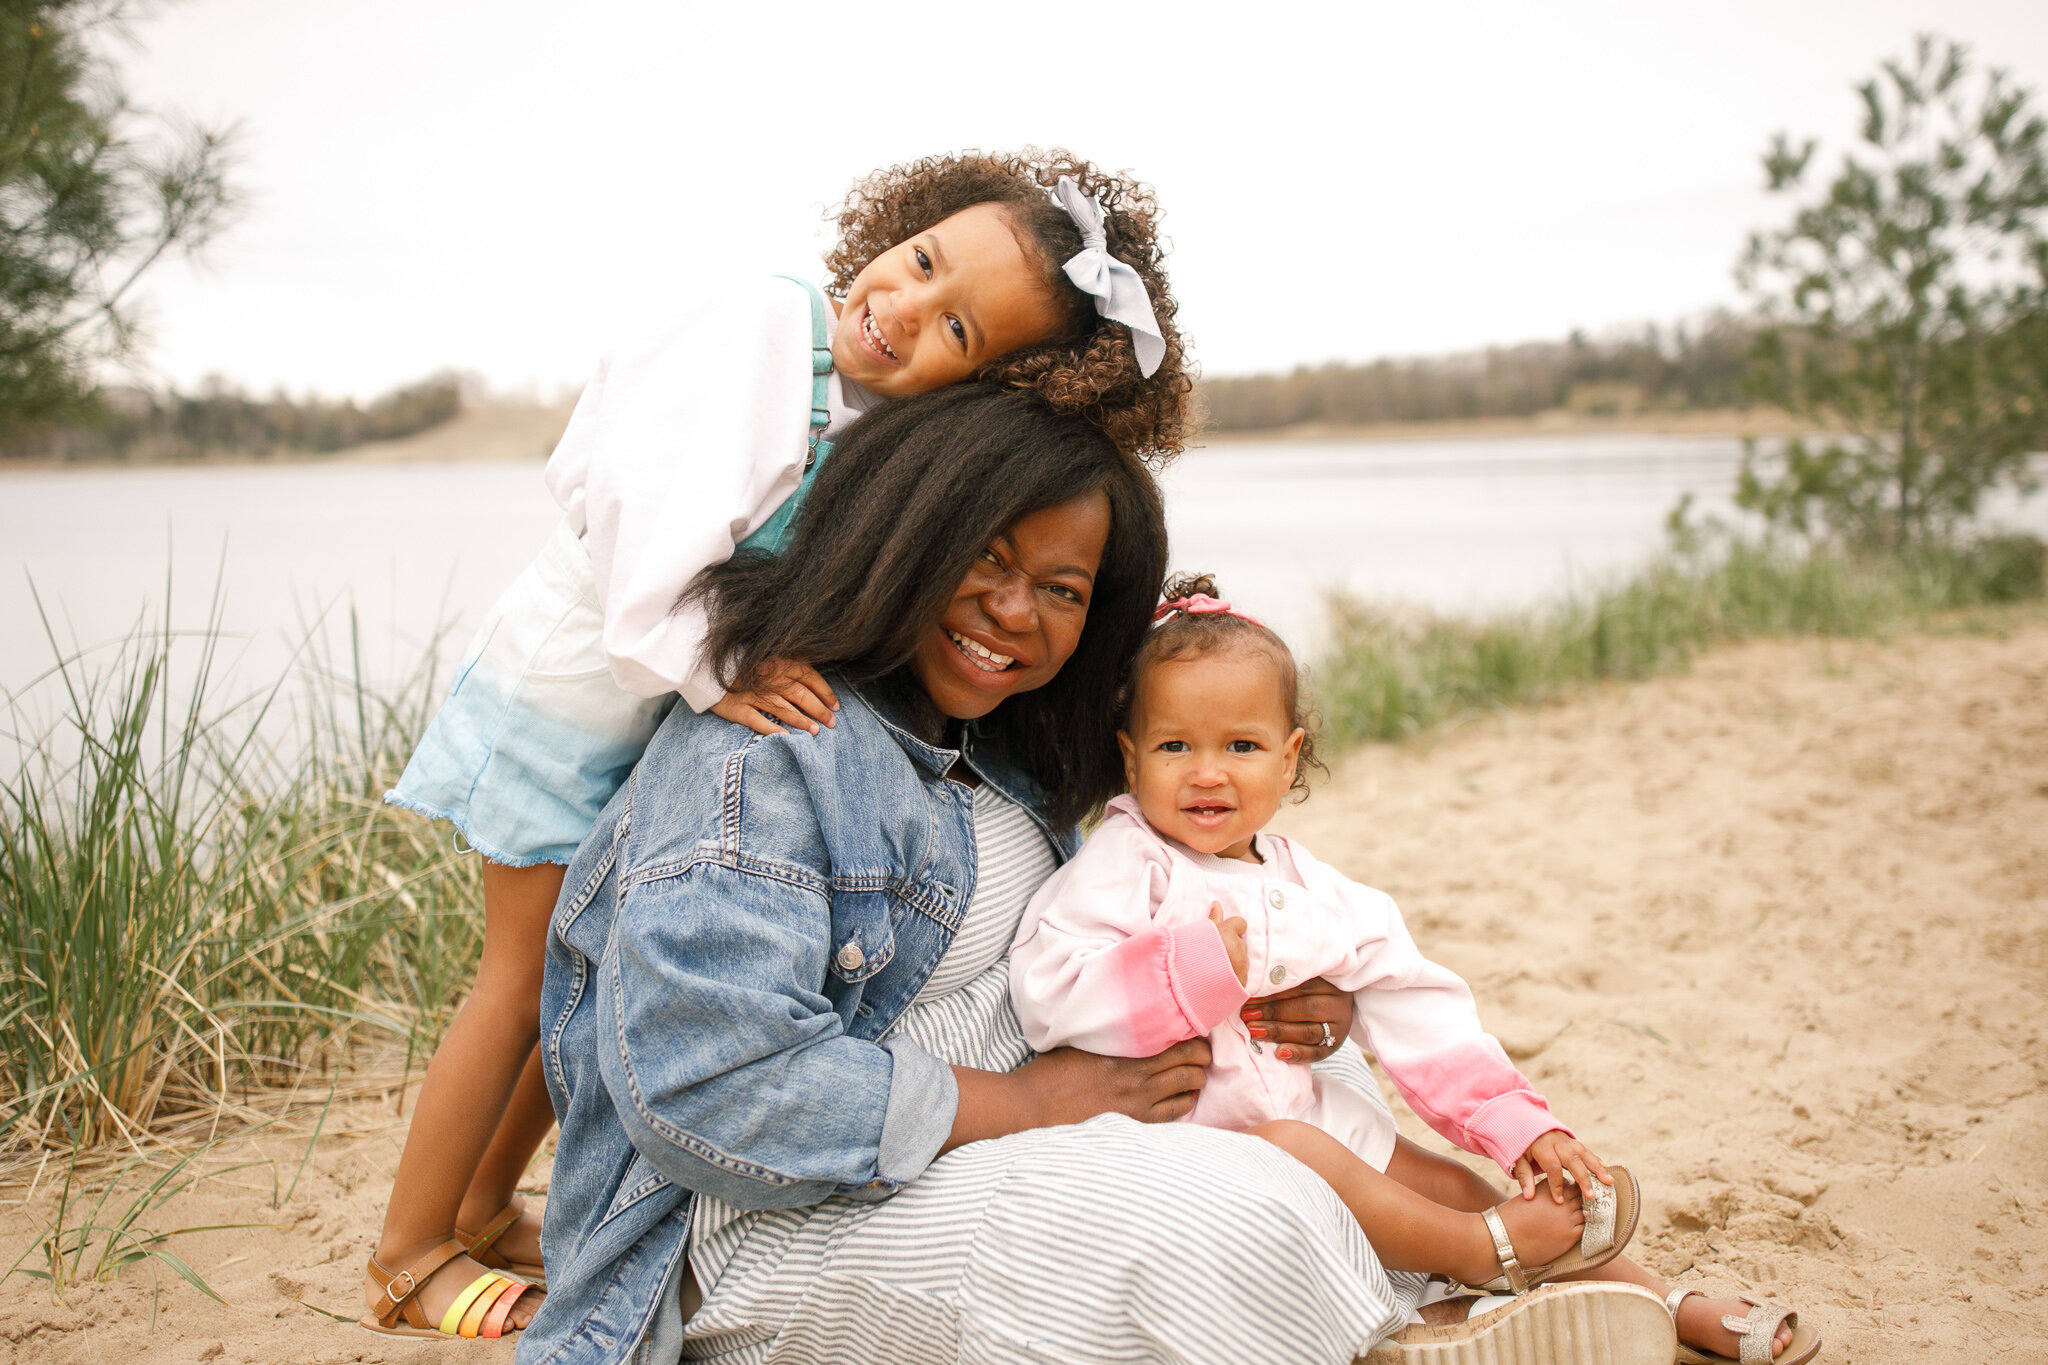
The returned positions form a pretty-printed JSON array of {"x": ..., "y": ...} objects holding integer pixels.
[{"x": 912, "y": 493}]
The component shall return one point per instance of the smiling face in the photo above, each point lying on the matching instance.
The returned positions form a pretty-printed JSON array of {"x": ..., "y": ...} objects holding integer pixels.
[
  {"x": 932, "y": 310},
  {"x": 1017, "y": 616},
  {"x": 1209, "y": 751}
]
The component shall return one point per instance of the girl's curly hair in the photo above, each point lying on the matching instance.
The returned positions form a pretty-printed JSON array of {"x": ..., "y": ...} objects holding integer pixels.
[
  {"x": 1090, "y": 367},
  {"x": 1186, "y": 635}
]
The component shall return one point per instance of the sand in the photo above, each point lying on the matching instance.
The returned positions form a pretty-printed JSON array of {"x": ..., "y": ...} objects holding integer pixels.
[{"x": 1774, "y": 934}]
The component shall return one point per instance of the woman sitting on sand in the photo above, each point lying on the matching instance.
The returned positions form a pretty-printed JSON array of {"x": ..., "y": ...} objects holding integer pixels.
[{"x": 799, "y": 1118}]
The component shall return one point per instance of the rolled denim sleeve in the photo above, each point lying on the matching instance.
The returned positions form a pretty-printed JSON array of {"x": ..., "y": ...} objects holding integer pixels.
[{"x": 768, "y": 1103}]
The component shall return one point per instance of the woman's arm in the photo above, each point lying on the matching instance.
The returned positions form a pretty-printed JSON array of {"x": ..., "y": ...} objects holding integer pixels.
[
  {"x": 726, "y": 1063},
  {"x": 733, "y": 1075},
  {"x": 1068, "y": 1085}
]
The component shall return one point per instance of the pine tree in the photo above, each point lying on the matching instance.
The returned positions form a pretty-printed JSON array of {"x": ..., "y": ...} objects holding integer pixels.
[{"x": 93, "y": 193}]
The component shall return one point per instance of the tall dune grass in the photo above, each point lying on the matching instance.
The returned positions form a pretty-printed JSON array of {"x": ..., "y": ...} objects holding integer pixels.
[
  {"x": 1389, "y": 675},
  {"x": 194, "y": 911}
]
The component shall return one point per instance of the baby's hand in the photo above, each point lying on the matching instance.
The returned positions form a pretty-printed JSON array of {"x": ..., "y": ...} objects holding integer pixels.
[
  {"x": 1554, "y": 1153},
  {"x": 789, "y": 691},
  {"x": 1232, "y": 931}
]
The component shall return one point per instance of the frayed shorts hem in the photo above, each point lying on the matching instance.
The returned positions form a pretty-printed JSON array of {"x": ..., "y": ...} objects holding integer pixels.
[{"x": 487, "y": 849}]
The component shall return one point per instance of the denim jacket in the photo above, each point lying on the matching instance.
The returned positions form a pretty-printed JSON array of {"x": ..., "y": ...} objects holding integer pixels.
[{"x": 735, "y": 939}]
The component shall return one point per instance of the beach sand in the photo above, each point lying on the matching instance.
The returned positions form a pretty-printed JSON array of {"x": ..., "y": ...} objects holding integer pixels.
[{"x": 1774, "y": 934}]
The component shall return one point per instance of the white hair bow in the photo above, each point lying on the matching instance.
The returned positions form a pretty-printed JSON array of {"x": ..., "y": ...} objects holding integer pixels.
[{"x": 1118, "y": 292}]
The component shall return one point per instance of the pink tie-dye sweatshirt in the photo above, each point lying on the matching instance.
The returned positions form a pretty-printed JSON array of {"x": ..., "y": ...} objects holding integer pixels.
[{"x": 1116, "y": 955}]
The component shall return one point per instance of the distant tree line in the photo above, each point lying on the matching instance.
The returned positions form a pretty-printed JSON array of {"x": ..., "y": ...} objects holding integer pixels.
[
  {"x": 138, "y": 424},
  {"x": 1655, "y": 369}
]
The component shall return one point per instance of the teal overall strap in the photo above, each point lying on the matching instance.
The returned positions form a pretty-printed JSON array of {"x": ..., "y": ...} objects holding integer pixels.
[
  {"x": 821, "y": 364},
  {"x": 772, "y": 533}
]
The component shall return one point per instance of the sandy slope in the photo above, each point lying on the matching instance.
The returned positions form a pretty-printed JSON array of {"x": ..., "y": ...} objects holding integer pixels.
[{"x": 1775, "y": 934}]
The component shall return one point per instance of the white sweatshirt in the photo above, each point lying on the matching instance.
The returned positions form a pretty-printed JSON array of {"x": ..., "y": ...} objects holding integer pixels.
[{"x": 682, "y": 444}]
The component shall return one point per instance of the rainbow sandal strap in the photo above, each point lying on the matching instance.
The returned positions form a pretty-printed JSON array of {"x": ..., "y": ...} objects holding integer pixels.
[
  {"x": 481, "y": 1293},
  {"x": 494, "y": 1321}
]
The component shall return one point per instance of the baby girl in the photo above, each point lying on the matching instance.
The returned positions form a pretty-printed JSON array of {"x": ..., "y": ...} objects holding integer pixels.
[{"x": 1181, "y": 908}]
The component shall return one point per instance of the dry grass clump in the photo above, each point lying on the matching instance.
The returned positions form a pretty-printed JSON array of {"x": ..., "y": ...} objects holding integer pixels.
[{"x": 205, "y": 906}]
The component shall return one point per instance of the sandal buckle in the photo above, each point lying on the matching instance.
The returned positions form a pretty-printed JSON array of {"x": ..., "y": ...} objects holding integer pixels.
[{"x": 413, "y": 1287}]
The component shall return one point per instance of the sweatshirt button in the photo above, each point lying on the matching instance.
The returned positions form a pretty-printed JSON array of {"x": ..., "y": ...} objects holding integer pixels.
[
  {"x": 1276, "y": 898},
  {"x": 850, "y": 957},
  {"x": 1277, "y": 975}
]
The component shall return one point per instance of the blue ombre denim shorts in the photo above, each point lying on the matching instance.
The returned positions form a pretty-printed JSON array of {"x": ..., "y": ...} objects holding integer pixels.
[{"x": 535, "y": 736}]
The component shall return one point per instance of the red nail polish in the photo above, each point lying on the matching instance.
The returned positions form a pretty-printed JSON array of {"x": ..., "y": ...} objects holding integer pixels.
[
  {"x": 1256, "y": 1031},
  {"x": 1286, "y": 1054}
]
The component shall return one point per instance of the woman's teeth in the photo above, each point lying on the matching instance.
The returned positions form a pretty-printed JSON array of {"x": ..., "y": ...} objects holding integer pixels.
[
  {"x": 874, "y": 333},
  {"x": 985, "y": 659}
]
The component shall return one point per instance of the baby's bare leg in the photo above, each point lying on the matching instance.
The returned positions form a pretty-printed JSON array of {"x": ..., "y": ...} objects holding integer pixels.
[
  {"x": 1411, "y": 1231},
  {"x": 1457, "y": 1186}
]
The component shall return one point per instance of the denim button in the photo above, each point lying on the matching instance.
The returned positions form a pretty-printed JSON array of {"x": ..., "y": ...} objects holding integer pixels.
[
  {"x": 1278, "y": 974},
  {"x": 850, "y": 957}
]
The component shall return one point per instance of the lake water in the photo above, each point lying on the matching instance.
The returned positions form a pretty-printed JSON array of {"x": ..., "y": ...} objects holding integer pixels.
[{"x": 1457, "y": 525}]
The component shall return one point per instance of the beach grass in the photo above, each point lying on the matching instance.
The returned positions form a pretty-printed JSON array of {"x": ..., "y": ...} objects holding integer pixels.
[
  {"x": 203, "y": 899},
  {"x": 1390, "y": 674}
]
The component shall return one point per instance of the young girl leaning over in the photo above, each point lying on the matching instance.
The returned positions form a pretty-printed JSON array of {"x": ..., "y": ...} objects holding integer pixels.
[
  {"x": 1031, "y": 271},
  {"x": 1181, "y": 909}
]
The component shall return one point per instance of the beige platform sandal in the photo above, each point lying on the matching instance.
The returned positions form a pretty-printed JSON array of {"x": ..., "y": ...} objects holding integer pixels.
[{"x": 1586, "y": 1322}]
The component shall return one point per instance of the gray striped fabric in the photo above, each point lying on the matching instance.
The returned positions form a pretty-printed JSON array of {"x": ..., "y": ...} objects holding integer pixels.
[{"x": 1108, "y": 1241}]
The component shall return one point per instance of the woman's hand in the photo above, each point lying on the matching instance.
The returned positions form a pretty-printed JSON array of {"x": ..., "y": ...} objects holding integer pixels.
[
  {"x": 1068, "y": 1085},
  {"x": 1294, "y": 1019},
  {"x": 791, "y": 692},
  {"x": 1553, "y": 1153}
]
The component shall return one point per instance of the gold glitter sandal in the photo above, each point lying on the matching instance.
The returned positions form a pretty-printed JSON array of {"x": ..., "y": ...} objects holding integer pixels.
[
  {"x": 1611, "y": 1212},
  {"x": 1755, "y": 1331}
]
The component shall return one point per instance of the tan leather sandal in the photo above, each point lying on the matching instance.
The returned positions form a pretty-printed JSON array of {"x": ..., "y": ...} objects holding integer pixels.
[
  {"x": 484, "y": 1251},
  {"x": 1755, "y": 1331},
  {"x": 1611, "y": 1212},
  {"x": 483, "y": 1309}
]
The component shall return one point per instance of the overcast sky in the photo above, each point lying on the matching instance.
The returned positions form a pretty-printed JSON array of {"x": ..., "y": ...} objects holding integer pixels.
[{"x": 503, "y": 187}]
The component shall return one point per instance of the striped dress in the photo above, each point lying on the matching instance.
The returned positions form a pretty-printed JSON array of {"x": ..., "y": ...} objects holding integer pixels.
[{"x": 1103, "y": 1241}]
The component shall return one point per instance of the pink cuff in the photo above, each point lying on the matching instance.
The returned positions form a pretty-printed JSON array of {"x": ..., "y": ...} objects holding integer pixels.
[
  {"x": 1205, "y": 986},
  {"x": 1504, "y": 1126}
]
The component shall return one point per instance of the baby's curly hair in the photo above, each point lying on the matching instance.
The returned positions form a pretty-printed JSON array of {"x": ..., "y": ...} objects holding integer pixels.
[
  {"x": 1192, "y": 635},
  {"x": 1090, "y": 368}
]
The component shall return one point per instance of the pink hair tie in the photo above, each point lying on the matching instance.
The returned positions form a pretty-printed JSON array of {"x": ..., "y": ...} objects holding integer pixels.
[{"x": 1201, "y": 604}]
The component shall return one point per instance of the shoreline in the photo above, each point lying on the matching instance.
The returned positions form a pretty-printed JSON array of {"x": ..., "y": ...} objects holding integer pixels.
[
  {"x": 519, "y": 431},
  {"x": 1557, "y": 422},
  {"x": 484, "y": 434}
]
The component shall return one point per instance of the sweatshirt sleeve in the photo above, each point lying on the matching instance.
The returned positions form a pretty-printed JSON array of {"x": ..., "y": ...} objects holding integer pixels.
[
  {"x": 682, "y": 444},
  {"x": 1090, "y": 968},
  {"x": 1419, "y": 1019}
]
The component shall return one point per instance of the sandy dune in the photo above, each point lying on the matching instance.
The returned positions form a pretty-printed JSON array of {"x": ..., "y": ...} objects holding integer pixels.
[{"x": 1774, "y": 933}]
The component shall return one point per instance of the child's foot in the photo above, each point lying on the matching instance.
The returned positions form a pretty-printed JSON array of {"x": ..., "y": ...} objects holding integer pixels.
[
  {"x": 519, "y": 1243},
  {"x": 442, "y": 1288},
  {"x": 1540, "y": 1229},
  {"x": 1699, "y": 1326}
]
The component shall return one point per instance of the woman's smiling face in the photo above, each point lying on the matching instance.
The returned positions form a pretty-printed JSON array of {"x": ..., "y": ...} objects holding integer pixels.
[
  {"x": 1017, "y": 616},
  {"x": 931, "y": 311}
]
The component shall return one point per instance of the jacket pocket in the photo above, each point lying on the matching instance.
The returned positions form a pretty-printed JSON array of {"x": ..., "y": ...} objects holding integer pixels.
[{"x": 863, "y": 941}]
